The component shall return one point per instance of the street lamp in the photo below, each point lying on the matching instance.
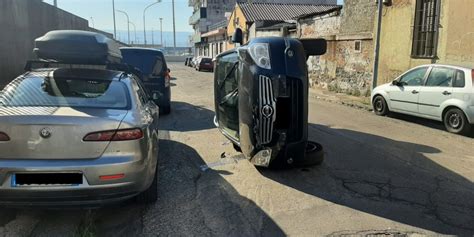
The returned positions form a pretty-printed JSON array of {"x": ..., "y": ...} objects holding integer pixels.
[
  {"x": 161, "y": 31},
  {"x": 92, "y": 21},
  {"x": 144, "y": 19},
  {"x": 113, "y": 12},
  {"x": 128, "y": 26},
  {"x": 134, "y": 30}
]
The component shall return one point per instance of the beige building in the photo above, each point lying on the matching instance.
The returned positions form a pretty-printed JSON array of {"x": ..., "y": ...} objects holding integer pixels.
[
  {"x": 347, "y": 65},
  {"x": 416, "y": 32}
]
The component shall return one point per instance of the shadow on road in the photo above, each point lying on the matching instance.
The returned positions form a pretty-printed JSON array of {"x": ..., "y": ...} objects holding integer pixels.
[
  {"x": 193, "y": 202},
  {"x": 422, "y": 121},
  {"x": 386, "y": 178},
  {"x": 186, "y": 117}
]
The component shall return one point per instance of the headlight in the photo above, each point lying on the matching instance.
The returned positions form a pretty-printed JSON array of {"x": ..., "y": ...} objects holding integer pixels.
[{"x": 260, "y": 53}]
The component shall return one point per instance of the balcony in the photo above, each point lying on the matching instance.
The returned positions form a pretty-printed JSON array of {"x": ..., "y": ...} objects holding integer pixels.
[
  {"x": 196, "y": 38},
  {"x": 198, "y": 15},
  {"x": 218, "y": 25}
]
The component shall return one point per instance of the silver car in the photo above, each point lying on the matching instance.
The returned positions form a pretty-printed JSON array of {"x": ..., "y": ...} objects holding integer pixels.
[
  {"x": 439, "y": 92},
  {"x": 77, "y": 136}
]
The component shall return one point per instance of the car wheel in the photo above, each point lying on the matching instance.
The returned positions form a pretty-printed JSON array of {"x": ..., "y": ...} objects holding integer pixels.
[
  {"x": 165, "y": 109},
  {"x": 380, "y": 106},
  {"x": 456, "y": 122},
  {"x": 314, "y": 155},
  {"x": 150, "y": 195}
]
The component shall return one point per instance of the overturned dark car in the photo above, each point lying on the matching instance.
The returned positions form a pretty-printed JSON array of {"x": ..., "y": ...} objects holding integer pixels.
[{"x": 261, "y": 99}]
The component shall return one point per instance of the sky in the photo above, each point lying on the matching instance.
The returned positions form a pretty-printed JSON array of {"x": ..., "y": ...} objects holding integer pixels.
[{"x": 101, "y": 13}]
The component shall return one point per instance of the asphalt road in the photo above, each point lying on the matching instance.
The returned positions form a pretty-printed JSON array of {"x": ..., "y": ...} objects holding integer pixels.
[{"x": 382, "y": 176}]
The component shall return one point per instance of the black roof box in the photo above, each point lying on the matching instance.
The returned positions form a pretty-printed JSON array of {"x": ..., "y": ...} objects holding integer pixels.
[{"x": 77, "y": 47}]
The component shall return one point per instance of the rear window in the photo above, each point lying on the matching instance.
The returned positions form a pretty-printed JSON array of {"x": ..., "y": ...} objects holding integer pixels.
[
  {"x": 206, "y": 60},
  {"x": 459, "y": 80},
  {"x": 62, "y": 92},
  {"x": 149, "y": 64}
]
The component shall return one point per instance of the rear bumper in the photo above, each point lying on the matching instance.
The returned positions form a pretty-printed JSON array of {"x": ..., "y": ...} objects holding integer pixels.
[
  {"x": 94, "y": 191},
  {"x": 470, "y": 114}
]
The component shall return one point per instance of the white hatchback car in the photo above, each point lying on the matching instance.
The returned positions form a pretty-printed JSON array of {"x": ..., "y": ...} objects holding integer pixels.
[{"x": 439, "y": 92}]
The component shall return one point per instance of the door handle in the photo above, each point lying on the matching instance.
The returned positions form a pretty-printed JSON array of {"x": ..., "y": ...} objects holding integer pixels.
[
  {"x": 414, "y": 92},
  {"x": 446, "y": 93}
]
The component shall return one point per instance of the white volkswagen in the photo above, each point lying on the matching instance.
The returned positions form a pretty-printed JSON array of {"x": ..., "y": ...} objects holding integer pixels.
[{"x": 439, "y": 92}]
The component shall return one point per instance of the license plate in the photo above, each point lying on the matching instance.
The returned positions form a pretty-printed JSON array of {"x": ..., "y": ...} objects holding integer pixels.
[{"x": 46, "y": 179}]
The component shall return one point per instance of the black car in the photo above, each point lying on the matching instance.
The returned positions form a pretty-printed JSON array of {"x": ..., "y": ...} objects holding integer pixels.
[
  {"x": 155, "y": 73},
  {"x": 261, "y": 99}
]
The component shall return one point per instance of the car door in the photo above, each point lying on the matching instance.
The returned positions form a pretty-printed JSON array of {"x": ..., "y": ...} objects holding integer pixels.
[
  {"x": 226, "y": 95},
  {"x": 437, "y": 89},
  {"x": 404, "y": 96}
]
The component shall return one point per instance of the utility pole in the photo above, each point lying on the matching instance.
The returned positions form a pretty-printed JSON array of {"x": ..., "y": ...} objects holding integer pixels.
[
  {"x": 377, "y": 45},
  {"x": 55, "y": 3},
  {"x": 161, "y": 31},
  {"x": 174, "y": 27},
  {"x": 113, "y": 11}
]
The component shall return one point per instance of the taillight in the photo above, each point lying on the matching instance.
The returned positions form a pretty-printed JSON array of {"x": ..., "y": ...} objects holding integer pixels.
[
  {"x": 118, "y": 135},
  {"x": 4, "y": 137},
  {"x": 167, "y": 79},
  {"x": 472, "y": 76},
  {"x": 129, "y": 134}
]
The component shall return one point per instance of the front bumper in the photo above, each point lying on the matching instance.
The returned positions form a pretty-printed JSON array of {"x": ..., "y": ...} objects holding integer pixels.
[{"x": 93, "y": 190}]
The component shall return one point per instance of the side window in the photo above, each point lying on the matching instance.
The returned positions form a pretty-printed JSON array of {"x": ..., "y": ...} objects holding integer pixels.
[
  {"x": 440, "y": 77},
  {"x": 158, "y": 67},
  {"x": 414, "y": 77},
  {"x": 459, "y": 79}
]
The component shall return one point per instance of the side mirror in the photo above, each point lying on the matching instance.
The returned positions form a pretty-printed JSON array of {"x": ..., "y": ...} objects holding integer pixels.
[
  {"x": 238, "y": 37},
  {"x": 396, "y": 83},
  {"x": 314, "y": 47}
]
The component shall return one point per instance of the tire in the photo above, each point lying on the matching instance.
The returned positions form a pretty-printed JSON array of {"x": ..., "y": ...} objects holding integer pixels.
[
  {"x": 314, "y": 155},
  {"x": 150, "y": 195},
  {"x": 165, "y": 110},
  {"x": 455, "y": 121},
  {"x": 380, "y": 106}
]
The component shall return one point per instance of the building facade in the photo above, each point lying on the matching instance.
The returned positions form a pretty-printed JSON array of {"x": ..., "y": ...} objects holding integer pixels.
[
  {"x": 416, "y": 32},
  {"x": 206, "y": 14},
  {"x": 347, "y": 65}
]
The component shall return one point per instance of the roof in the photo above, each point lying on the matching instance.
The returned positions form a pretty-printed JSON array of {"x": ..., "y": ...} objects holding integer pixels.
[
  {"x": 280, "y": 12},
  {"x": 278, "y": 26},
  {"x": 336, "y": 8}
]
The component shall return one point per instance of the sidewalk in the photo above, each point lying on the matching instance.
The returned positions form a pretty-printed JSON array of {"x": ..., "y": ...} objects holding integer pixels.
[{"x": 340, "y": 98}]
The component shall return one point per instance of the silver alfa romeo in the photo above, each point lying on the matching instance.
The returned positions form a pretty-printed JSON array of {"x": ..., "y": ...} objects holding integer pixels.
[{"x": 77, "y": 136}]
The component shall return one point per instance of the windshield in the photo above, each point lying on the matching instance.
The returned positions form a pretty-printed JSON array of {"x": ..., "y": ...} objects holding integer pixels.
[{"x": 37, "y": 91}]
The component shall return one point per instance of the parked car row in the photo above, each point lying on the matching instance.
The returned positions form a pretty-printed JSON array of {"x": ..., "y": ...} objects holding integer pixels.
[
  {"x": 80, "y": 126},
  {"x": 200, "y": 63}
]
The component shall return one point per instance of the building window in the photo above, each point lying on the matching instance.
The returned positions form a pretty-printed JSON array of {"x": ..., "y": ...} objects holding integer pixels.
[
  {"x": 425, "y": 31},
  {"x": 358, "y": 46}
]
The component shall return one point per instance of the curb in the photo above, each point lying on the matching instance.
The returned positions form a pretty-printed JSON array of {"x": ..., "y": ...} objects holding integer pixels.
[{"x": 348, "y": 103}]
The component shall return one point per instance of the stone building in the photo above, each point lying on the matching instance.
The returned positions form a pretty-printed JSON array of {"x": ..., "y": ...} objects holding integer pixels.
[
  {"x": 347, "y": 65},
  {"x": 258, "y": 19},
  {"x": 416, "y": 32}
]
